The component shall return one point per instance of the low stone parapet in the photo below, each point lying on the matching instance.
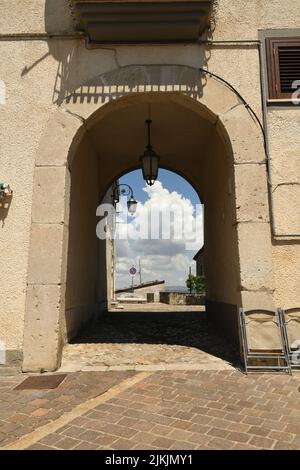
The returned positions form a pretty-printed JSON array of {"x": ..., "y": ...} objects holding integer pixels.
[
  {"x": 178, "y": 298},
  {"x": 195, "y": 299}
]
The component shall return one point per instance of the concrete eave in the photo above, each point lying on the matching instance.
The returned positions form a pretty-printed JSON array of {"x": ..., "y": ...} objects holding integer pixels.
[{"x": 134, "y": 22}]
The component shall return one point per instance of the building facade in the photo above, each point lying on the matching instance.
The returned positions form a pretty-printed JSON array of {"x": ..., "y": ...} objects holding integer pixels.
[
  {"x": 76, "y": 80},
  {"x": 143, "y": 289},
  {"x": 200, "y": 262}
]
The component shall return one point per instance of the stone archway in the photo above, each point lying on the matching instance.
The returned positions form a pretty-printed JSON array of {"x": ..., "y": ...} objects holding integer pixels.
[{"x": 76, "y": 118}]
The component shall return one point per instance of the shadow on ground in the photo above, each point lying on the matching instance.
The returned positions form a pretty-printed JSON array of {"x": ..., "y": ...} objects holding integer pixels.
[{"x": 188, "y": 329}]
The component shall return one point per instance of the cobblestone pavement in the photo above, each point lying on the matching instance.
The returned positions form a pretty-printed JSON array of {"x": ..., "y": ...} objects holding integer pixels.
[
  {"x": 173, "y": 337},
  {"x": 157, "y": 410}
]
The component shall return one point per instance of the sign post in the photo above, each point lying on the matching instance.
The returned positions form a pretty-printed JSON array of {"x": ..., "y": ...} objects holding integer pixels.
[{"x": 132, "y": 272}]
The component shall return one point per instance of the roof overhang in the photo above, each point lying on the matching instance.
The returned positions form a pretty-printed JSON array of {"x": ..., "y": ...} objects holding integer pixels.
[
  {"x": 134, "y": 22},
  {"x": 199, "y": 253}
]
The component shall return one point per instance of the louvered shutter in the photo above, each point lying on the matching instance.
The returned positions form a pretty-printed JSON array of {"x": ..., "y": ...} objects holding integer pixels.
[{"x": 283, "y": 57}]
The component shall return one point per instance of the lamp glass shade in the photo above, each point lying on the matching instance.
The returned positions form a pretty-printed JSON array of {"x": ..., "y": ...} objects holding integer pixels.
[
  {"x": 131, "y": 205},
  {"x": 149, "y": 161}
]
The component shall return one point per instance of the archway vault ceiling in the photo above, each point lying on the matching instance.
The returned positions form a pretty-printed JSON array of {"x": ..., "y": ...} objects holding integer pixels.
[{"x": 179, "y": 136}]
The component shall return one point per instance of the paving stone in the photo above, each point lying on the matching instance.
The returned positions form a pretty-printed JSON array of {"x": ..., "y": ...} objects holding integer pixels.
[
  {"x": 142, "y": 425},
  {"x": 121, "y": 444},
  {"x": 181, "y": 424},
  {"x": 51, "y": 439},
  {"x": 220, "y": 423},
  {"x": 163, "y": 443},
  {"x": 145, "y": 437},
  {"x": 220, "y": 444},
  {"x": 217, "y": 432},
  {"x": 165, "y": 424},
  {"x": 90, "y": 435},
  {"x": 39, "y": 447},
  {"x": 275, "y": 425},
  {"x": 293, "y": 428},
  {"x": 259, "y": 431},
  {"x": 262, "y": 442},
  {"x": 254, "y": 420},
  {"x": 200, "y": 428},
  {"x": 67, "y": 443},
  {"x": 85, "y": 446},
  {"x": 281, "y": 436},
  {"x": 73, "y": 431},
  {"x": 238, "y": 437},
  {"x": 240, "y": 427},
  {"x": 180, "y": 434},
  {"x": 40, "y": 412},
  {"x": 284, "y": 446},
  {"x": 105, "y": 439},
  {"x": 183, "y": 445},
  {"x": 216, "y": 413}
]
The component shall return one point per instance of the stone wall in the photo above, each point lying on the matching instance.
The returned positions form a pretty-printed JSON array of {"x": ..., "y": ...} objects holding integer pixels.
[
  {"x": 176, "y": 298},
  {"x": 83, "y": 261},
  {"x": 195, "y": 299},
  {"x": 172, "y": 298},
  {"x": 156, "y": 289}
]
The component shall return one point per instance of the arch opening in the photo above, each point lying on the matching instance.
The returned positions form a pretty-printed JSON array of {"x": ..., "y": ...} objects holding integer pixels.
[
  {"x": 203, "y": 133},
  {"x": 190, "y": 145},
  {"x": 161, "y": 238}
]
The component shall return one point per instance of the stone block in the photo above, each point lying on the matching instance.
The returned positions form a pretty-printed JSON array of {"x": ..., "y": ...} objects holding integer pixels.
[
  {"x": 41, "y": 331},
  {"x": 54, "y": 145},
  {"x": 244, "y": 134},
  {"x": 46, "y": 254},
  {"x": 251, "y": 193},
  {"x": 49, "y": 195},
  {"x": 255, "y": 251},
  {"x": 216, "y": 96}
]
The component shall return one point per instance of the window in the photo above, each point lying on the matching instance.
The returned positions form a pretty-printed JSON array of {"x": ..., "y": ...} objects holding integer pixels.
[{"x": 283, "y": 62}]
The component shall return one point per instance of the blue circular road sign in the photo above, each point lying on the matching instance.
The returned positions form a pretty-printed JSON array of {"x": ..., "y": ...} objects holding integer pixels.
[{"x": 132, "y": 271}]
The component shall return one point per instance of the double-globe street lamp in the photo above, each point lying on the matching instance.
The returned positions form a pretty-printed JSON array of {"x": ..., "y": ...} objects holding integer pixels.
[{"x": 126, "y": 190}]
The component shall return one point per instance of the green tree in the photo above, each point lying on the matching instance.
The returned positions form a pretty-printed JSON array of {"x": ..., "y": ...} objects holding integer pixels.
[
  {"x": 190, "y": 283},
  {"x": 200, "y": 284},
  {"x": 196, "y": 284}
]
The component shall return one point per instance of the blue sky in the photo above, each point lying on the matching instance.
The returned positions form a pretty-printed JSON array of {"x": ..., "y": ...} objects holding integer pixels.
[
  {"x": 161, "y": 259},
  {"x": 169, "y": 180}
]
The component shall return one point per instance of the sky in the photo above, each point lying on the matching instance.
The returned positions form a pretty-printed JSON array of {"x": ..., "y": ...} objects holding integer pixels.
[{"x": 163, "y": 258}]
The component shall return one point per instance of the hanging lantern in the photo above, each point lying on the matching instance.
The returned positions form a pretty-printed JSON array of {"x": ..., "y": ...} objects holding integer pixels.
[{"x": 149, "y": 160}]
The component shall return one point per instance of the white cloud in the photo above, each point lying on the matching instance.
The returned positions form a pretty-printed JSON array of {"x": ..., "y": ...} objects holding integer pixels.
[{"x": 162, "y": 247}]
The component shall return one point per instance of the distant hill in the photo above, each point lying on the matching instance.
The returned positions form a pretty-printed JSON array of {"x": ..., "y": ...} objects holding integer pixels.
[{"x": 182, "y": 289}]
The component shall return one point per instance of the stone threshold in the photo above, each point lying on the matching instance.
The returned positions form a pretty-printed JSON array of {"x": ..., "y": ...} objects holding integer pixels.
[{"x": 149, "y": 367}]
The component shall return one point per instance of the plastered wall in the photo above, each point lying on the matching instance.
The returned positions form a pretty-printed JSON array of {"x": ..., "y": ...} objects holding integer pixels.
[{"x": 39, "y": 74}]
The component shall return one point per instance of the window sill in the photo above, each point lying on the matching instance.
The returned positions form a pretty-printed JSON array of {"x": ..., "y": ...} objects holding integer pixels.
[{"x": 283, "y": 102}]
